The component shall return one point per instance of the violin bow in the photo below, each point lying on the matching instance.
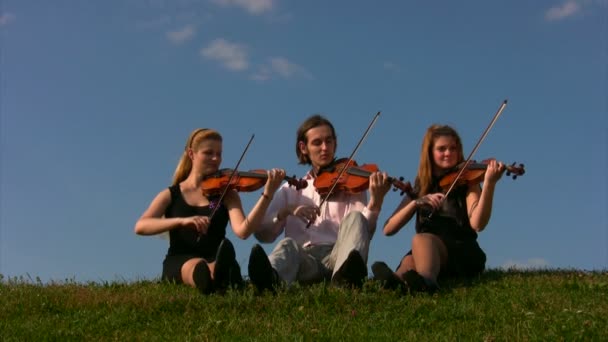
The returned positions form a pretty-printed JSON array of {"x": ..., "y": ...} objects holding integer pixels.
[
  {"x": 352, "y": 155},
  {"x": 234, "y": 172},
  {"x": 468, "y": 160}
]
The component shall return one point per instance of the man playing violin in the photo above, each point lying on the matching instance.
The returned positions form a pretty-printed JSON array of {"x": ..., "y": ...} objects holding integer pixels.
[
  {"x": 445, "y": 242},
  {"x": 321, "y": 243}
]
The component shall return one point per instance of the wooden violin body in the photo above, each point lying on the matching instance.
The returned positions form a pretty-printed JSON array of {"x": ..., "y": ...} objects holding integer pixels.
[
  {"x": 475, "y": 173},
  {"x": 242, "y": 181},
  {"x": 352, "y": 180}
]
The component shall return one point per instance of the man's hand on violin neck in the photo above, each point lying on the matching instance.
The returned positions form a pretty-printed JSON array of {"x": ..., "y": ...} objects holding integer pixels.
[{"x": 379, "y": 184}]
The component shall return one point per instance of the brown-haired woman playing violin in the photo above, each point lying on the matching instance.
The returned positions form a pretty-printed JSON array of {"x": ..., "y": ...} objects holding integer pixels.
[
  {"x": 199, "y": 254},
  {"x": 445, "y": 243}
]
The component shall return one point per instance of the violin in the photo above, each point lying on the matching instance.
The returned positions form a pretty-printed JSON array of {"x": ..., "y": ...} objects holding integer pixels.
[
  {"x": 353, "y": 180},
  {"x": 475, "y": 173},
  {"x": 242, "y": 181}
]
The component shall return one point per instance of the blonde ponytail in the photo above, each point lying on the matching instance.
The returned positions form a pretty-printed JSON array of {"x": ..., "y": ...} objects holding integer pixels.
[{"x": 185, "y": 163}]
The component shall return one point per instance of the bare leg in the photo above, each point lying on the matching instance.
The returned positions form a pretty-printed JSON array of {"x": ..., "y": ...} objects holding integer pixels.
[
  {"x": 407, "y": 263},
  {"x": 429, "y": 254},
  {"x": 188, "y": 270}
]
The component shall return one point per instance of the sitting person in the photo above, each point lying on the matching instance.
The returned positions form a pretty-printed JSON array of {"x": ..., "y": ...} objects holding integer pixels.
[
  {"x": 321, "y": 243},
  {"x": 199, "y": 254},
  {"x": 445, "y": 242}
]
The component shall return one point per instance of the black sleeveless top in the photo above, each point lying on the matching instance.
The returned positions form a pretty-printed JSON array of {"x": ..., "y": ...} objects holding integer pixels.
[
  {"x": 182, "y": 240},
  {"x": 451, "y": 220}
]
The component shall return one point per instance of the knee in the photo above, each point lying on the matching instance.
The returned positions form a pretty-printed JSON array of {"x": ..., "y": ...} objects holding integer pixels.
[{"x": 287, "y": 245}]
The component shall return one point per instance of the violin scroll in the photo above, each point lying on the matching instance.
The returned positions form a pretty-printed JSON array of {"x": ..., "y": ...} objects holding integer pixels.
[
  {"x": 405, "y": 187},
  {"x": 514, "y": 171},
  {"x": 298, "y": 184}
]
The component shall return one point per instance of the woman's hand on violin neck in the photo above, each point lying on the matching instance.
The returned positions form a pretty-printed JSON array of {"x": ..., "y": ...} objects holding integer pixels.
[
  {"x": 306, "y": 213},
  {"x": 494, "y": 171},
  {"x": 275, "y": 178},
  {"x": 200, "y": 223},
  {"x": 434, "y": 200}
]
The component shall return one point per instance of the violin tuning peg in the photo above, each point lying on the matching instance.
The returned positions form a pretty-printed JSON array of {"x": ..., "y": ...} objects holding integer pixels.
[
  {"x": 514, "y": 177},
  {"x": 508, "y": 173},
  {"x": 401, "y": 178}
]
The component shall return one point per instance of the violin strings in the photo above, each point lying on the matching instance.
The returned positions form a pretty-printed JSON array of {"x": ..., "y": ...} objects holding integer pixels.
[
  {"x": 234, "y": 171},
  {"x": 324, "y": 199}
]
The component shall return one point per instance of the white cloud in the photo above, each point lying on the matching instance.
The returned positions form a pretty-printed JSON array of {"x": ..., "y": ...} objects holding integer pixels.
[
  {"x": 263, "y": 74},
  {"x": 530, "y": 264},
  {"x": 283, "y": 67},
  {"x": 231, "y": 55},
  {"x": 180, "y": 36},
  {"x": 251, "y": 6},
  {"x": 6, "y": 18},
  {"x": 565, "y": 10},
  {"x": 280, "y": 67}
]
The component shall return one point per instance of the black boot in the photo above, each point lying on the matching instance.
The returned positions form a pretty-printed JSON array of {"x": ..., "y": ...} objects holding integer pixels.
[
  {"x": 388, "y": 278},
  {"x": 236, "y": 279},
  {"x": 352, "y": 273},
  {"x": 202, "y": 278},
  {"x": 417, "y": 283},
  {"x": 261, "y": 273},
  {"x": 225, "y": 260}
]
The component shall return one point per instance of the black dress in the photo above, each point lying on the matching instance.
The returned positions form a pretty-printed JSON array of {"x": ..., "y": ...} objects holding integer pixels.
[{"x": 183, "y": 244}]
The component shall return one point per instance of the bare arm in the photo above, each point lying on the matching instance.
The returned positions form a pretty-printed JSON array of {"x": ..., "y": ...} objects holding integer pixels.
[
  {"x": 152, "y": 221},
  {"x": 400, "y": 217},
  {"x": 243, "y": 226},
  {"x": 479, "y": 201},
  {"x": 378, "y": 187},
  {"x": 275, "y": 218}
]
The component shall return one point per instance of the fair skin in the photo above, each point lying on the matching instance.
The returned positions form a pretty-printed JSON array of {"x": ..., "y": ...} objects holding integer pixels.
[
  {"x": 206, "y": 159},
  {"x": 320, "y": 149},
  {"x": 428, "y": 251}
]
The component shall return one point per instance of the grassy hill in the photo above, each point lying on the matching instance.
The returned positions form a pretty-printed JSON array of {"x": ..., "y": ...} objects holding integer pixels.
[{"x": 500, "y": 305}]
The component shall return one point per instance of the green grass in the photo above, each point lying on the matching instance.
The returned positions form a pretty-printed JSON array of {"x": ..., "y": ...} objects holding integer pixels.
[{"x": 551, "y": 305}]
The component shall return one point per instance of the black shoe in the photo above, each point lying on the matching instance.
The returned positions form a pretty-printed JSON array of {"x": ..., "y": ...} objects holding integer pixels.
[
  {"x": 261, "y": 273},
  {"x": 202, "y": 278},
  {"x": 225, "y": 260},
  {"x": 235, "y": 279},
  {"x": 416, "y": 283},
  {"x": 387, "y": 277},
  {"x": 352, "y": 272}
]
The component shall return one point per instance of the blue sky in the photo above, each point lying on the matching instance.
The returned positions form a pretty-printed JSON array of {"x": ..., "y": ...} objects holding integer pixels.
[{"x": 97, "y": 99}]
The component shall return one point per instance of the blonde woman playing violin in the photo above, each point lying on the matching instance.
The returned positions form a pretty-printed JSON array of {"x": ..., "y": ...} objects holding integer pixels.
[
  {"x": 445, "y": 243},
  {"x": 199, "y": 254}
]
